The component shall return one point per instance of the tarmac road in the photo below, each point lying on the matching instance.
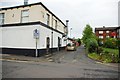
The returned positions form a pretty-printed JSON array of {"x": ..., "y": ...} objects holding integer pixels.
[{"x": 67, "y": 64}]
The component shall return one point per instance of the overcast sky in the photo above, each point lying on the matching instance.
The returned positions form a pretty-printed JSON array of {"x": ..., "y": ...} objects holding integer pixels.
[{"x": 79, "y": 12}]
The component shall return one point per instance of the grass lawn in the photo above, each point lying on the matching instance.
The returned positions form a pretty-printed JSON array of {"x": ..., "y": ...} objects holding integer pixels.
[
  {"x": 113, "y": 51},
  {"x": 109, "y": 55}
]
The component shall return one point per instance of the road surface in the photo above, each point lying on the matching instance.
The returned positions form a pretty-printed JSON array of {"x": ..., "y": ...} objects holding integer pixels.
[{"x": 66, "y": 64}]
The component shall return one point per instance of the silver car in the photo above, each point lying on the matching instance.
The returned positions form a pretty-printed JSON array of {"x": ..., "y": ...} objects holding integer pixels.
[{"x": 71, "y": 47}]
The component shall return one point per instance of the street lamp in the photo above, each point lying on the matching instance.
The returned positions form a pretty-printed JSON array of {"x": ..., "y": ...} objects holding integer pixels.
[
  {"x": 70, "y": 32},
  {"x": 66, "y": 29}
]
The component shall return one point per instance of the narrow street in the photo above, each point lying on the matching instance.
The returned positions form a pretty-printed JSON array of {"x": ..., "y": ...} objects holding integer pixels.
[{"x": 66, "y": 64}]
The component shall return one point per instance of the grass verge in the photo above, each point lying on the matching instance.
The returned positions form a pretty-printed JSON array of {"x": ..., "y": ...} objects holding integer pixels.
[{"x": 108, "y": 56}]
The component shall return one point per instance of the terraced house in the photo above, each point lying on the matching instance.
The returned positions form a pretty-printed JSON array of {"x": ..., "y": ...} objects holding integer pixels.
[{"x": 26, "y": 27}]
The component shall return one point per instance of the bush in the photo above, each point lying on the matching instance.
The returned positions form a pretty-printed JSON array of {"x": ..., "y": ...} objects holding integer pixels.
[
  {"x": 92, "y": 45},
  {"x": 118, "y": 43},
  {"x": 110, "y": 43},
  {"x": 99, "y": 50},
  {"x": 100, "y": 41}
]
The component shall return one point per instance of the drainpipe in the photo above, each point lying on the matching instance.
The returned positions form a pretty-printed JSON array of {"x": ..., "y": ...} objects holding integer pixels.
[{"x": 52, "y": 36}]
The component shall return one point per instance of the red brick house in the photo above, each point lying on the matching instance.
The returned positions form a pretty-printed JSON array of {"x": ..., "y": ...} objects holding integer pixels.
[{"x": 107, "y": 32}]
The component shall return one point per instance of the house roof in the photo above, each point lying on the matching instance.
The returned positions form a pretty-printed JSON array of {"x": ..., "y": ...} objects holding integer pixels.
[
  {"x": 105, "y": 28},
  {"x": 39, "y": 3}
]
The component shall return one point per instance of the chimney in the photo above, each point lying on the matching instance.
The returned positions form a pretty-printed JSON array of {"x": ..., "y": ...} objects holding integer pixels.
[
  {"x": 103, "y": 26},
  {"x": 25, "y": 2}
]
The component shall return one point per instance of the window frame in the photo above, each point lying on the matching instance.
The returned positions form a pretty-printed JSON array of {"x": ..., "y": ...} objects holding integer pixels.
[
  {"x": 56, "y": 22},
  {"x": 3, "y": 18},
  {"x": 100, "y": 32},
  {"x": 47, "y": 19},
  {"x": 23, "y": 17}
]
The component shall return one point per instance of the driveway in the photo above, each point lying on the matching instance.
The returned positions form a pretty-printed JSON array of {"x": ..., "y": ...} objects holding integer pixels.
[{"x": 66, "y": 64}]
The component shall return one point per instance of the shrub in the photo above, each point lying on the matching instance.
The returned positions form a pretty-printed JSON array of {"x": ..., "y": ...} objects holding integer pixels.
[
  {"x": 92, "y": 45},
  {"x": 118, "y": 43},
  {"x": 110, "y": 43},
  {"x": 99, "y": 40},
  {"x": 99, "y": 50}
]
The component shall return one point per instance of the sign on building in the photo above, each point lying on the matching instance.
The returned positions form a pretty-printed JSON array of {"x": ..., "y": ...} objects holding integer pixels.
[{"x": 36, "y": 34}]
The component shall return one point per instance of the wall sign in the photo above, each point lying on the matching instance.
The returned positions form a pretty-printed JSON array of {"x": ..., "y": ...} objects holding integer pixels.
[{"x": 36, "y": 34}]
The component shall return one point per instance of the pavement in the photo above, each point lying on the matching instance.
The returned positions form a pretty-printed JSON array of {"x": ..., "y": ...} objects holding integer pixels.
[{"x": 45, "y": 58}]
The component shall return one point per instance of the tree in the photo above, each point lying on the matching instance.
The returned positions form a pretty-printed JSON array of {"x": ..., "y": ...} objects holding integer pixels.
[
  {"x": 79, "y": 41},
  {"x": 87, "y": 33}
]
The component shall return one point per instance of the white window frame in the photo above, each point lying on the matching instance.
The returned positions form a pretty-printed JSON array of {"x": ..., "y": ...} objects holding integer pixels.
[
  {"x": 24, "y": 16},
  {"x": 101, "y": 37},
  {"x": 47, "y": 19},
  {"x": 100, "y": 32},
  {"x": 107, "y": 31},
  {"x": 56, "y": 22},
  {"x": 2, "y": 18},
  {"x": 107, "y": 36}
]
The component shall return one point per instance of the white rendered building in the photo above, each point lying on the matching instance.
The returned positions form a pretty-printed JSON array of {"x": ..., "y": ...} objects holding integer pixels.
[{"x": 17, "y": 26}]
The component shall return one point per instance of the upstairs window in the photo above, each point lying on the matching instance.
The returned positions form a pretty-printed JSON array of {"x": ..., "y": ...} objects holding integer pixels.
[
  {"x": 101, "y": 37},
  {"x": 100, "y": 32},
  {"x": 25, "y": 16},
  {"x": 1, "y": 18},
  {"x": 107, "y": 31},
  {"x": 55, "y": 24},
  {"x": 47, "y": 19}
]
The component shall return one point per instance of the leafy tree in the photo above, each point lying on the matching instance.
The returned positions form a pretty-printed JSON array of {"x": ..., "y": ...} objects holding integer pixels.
[
  {"x": 79, "y": 41},
  {"x": 88, "y": 33}
]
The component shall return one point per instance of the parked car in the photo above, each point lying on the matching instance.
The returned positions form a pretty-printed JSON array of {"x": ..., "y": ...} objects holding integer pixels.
[{"x": 71, "y": 47}]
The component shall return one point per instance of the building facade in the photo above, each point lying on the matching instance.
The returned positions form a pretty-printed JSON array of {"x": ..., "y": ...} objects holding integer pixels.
[
  {"x": 107, "y": 32},
  {"x": 18, "y": 24}
]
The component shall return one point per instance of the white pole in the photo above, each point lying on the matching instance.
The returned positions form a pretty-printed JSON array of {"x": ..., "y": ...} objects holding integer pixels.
[{"x": 36, "y": 49}]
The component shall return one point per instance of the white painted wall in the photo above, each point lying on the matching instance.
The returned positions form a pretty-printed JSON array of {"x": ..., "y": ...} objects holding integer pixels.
[{"x": 22, "y": 37}]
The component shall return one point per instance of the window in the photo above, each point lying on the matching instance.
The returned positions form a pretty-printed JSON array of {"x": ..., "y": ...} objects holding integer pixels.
[
  {"x": 1, "y": 18},
  {"x": 107, "y": 31},
  {"x": 107, "y": 36},
  {"x": 101, "y": 37},
  {"x": 25, "y": 16},
  {"x": 100, "y": 32},
  {"x": 47, "y": 19},
  {"x": 55, "y": 24}
]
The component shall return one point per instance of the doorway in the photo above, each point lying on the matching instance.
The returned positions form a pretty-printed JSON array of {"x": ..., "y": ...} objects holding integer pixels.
[{"x": 47, "y": 45}]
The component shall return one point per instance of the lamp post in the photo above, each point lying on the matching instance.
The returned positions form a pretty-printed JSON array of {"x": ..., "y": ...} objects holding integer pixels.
[
  {"x": 66, "y": 30},
  {"x": 70, "y": 32},
  {"x": 67, "y": 27}
]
